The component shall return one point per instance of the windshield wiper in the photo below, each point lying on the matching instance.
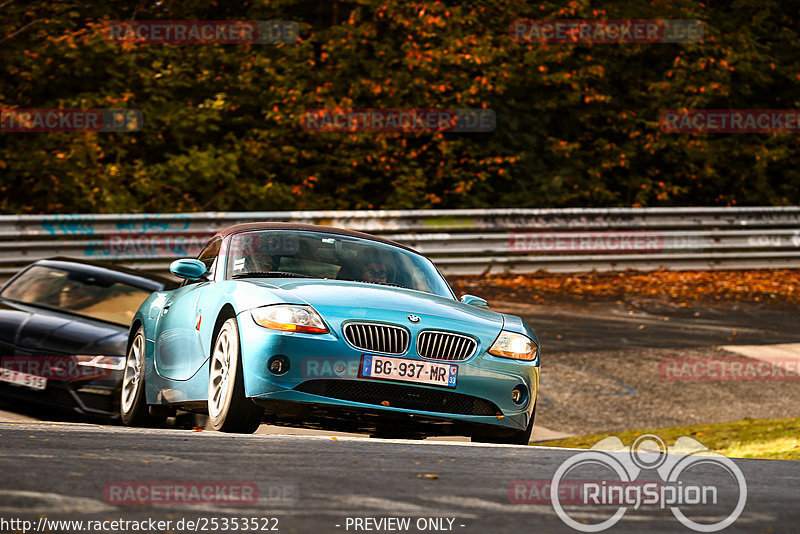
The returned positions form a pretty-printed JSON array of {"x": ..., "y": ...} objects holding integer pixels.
[
  {"x": 271, "y": 274},
  {"x": 381, "y": 283}
]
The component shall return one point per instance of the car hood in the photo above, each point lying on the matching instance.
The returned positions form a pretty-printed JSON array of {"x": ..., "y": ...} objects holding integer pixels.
[
  {"x": 34, "y": 329},
  {"x": 341, "y": 301},
  {"x": 362, "y": 295}
]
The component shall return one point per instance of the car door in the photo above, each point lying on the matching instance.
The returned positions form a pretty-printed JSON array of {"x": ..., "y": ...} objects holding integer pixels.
[{"x": 179, "y": 352}]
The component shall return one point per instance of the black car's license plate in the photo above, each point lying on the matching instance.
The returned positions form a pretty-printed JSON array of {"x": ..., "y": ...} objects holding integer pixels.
[{"x": 22, "y": 379}]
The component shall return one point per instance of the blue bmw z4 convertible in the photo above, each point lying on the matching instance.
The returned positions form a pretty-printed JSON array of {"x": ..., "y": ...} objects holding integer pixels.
[{"x": 320, "y": 327}]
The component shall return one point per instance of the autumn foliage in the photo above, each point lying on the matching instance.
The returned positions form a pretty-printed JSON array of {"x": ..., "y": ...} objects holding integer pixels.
[{"x": 577, "y": 124}]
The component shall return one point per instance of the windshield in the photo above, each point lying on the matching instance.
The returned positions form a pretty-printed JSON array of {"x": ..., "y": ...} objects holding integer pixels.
[
  {"x": 304, "y": 254},
  {"x": 78, "y": 293}
]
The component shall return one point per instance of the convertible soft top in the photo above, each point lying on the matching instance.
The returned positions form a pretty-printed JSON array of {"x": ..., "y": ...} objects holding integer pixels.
[{"x": 308, "y": 227}]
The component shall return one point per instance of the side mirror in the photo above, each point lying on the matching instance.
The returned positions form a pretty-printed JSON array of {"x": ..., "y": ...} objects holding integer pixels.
[
  {"x": 188, "y": 269},
  {"x": 472, "y": 300}
]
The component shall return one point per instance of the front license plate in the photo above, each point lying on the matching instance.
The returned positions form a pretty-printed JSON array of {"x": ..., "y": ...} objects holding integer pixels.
[
  {"x": 22, "y": 379},
  {"x": 406, "y": 370}
]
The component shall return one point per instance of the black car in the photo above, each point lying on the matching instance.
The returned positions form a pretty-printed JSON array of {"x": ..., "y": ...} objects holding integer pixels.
[{"x": 64, "y": 330}]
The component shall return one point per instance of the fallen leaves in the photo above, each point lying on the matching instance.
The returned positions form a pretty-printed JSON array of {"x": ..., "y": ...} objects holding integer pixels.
[
  {"x": 429, "y": 476},
  {"x": 767, "y": 286}
]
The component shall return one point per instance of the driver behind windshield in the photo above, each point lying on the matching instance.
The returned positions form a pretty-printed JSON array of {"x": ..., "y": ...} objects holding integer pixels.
[
  {"x": 250, "y": 254},
  {"x": 257, "y": 263},
  {"x": 375, "y": 273}
]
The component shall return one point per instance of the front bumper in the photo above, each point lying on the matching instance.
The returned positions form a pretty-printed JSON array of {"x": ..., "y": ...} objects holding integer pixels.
[
  {"x": 97, "y": 397},
  {"x": 323, "y": 373}
]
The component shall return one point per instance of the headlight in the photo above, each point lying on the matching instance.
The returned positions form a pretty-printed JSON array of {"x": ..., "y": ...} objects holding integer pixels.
[
  {"x": 290, "y": 318},
  {"x": 516, "y": 346},
  {"x": 115, "y": 363}
]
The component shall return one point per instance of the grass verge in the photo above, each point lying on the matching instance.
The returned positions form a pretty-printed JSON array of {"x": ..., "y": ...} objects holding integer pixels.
[{"x": 777, "y": 439}]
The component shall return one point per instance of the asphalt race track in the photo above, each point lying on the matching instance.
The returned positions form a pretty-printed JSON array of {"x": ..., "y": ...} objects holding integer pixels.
[
  {"x": 60, "y": 467},
  {"x": 314, "y": 484}
]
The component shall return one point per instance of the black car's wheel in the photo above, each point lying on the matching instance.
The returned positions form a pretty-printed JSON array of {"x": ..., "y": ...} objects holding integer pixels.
[
  {"x": 510, "y": 437},
  {"x": 133, "y": 408},
  {"x": 229, "y": 410}
]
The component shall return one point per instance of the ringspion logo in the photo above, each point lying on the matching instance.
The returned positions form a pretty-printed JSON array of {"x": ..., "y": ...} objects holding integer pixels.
[{"x": 687, "y": 483}]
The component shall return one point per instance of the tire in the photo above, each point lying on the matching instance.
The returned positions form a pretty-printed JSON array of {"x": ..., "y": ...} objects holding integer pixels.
[
  {"x": 509, "y": 437},
  {"x": 133, "y": 408},
  {"x": 229, "y": 410}
]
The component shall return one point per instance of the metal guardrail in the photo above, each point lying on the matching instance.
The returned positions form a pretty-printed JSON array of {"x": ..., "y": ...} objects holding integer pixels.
[{"x": 468, "y": 241}]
